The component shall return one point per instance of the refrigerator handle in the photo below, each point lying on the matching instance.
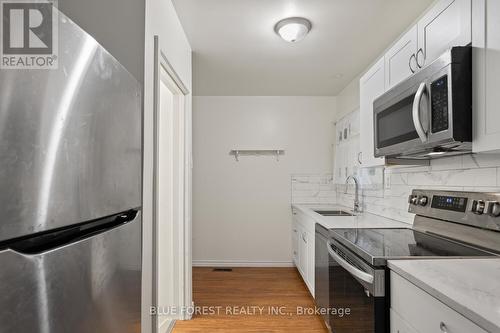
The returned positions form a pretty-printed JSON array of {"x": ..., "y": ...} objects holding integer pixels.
[{"x": 53, "y": 240}]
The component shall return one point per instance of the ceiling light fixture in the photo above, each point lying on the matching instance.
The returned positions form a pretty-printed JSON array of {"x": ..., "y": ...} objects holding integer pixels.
[{"x": 293, "y": 29}]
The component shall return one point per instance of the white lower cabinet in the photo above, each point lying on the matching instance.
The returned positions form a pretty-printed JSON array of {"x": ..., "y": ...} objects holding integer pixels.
[
  {"x": 303, "y": 253},
  {"x": 398, "y": 325},
  {"x": 415, "y": 311},
  {"x": 303, "y": 247},
  {"x": 295, "y": 241}
]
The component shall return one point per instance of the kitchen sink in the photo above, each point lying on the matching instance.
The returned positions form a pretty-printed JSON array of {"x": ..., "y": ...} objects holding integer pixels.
[{"x": 333, "y": 213}]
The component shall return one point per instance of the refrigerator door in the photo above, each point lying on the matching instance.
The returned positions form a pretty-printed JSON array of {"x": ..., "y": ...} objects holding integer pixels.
[
  {"x": 70, "y": 139},
  {"x": 91, "y": 285}
]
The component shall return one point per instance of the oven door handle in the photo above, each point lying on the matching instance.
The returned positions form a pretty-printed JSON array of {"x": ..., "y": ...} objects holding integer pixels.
[
  {"x": 416, "y": 112},
  {"x": 363, "y": 276}
]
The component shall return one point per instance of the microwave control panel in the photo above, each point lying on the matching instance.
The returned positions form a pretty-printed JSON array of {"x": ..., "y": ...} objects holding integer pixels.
[{"x": 439, "y": 104}]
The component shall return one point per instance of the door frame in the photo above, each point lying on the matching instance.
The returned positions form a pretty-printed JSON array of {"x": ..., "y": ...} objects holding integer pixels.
[{"x": 184, "y": 239}]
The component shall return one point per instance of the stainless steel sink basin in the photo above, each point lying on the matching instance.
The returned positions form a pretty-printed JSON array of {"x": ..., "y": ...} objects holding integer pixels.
[{"x": 333, "y": 213}]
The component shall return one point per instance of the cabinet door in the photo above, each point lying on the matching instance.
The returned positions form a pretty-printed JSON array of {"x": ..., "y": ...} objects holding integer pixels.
[
  {"x": 413, "y": 304},
  {"x": 398, "y": 325},
  {"x": 354, "y": 123},
  {"x": 310, "y": 262},
  {"x": 400, "y": 60},
  {"x": 295, "y": 241},
  {"x": 302, "y": 254},
  {"x": 340, "y": 164},
  {"x": 372, "y": 85},
  {"x": 339, "y": 130},
  {"x": 446, "y": 24},
  {"x": 486, "y": 75},
  {"x": 353, "y": 156}
]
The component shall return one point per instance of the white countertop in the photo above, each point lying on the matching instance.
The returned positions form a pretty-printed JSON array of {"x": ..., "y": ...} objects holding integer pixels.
[
  {"x": 469, "y": 286},
  {"x": 363, "y": 220}
]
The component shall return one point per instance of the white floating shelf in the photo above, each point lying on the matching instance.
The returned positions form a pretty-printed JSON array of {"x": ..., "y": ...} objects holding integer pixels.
[{"x": 257, "y": 152}]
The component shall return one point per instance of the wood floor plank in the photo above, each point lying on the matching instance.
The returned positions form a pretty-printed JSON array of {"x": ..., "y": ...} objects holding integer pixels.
[{"x": 254, "y": 293}]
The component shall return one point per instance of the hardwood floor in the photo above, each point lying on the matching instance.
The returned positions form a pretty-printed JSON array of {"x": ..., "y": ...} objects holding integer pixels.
[{"x": 244, "y": 300}]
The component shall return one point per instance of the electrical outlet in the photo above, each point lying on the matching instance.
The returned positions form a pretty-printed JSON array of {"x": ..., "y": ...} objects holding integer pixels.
[{"x": 387, "y": 180}]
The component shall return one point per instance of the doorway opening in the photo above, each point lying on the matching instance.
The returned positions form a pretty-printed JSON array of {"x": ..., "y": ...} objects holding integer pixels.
[{"x": 171, "y": 230}]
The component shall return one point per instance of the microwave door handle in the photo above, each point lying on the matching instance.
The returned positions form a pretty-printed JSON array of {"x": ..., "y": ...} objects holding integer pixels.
[
  {"x": 363, "y": 276},
  {"x": 416, "y": 112}
]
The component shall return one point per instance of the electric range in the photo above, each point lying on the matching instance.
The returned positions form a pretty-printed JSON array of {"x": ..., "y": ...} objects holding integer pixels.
[{"x": 351, "y": 264}]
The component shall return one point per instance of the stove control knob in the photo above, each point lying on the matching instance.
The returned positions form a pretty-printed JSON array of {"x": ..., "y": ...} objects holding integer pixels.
[
  {"x": 413, "y": 199},
  {"x": 422, "y": 201},
  {"x": 478, "y": 207},
  {"x": 495, "y": 209}
]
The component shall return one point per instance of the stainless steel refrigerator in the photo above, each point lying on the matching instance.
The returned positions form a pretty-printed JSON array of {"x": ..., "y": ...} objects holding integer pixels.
[{"x": 70, "y": 193}]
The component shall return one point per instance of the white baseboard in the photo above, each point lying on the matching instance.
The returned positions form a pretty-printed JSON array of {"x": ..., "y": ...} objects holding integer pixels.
[
  {"x": 241, "y": 263},
  {"x": 167, "y": 326}
]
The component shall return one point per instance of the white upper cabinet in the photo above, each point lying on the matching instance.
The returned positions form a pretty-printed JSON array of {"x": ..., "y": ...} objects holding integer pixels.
[
  {"x": 446, "y": 24},
  {"x": 486, "y": 75},
  {"x": 371, "y": 86},
  {"x": 347, "y": 149},
  {"x": 401, "y": 60}
]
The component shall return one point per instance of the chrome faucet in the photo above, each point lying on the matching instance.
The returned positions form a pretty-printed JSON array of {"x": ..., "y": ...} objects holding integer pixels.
[{"x": 357, "y": 205}]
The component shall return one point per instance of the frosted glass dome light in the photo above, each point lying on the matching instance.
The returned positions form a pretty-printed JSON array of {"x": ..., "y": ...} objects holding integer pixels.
[{"x": 293, "y": 29}]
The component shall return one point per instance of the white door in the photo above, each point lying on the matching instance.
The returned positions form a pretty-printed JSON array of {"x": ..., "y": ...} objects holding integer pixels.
[
  {"x": 171, "y": 232},
  {"x": 447, "y": 24},
  {"x": 165, "y": 228},
  {"x": 372, "y": 85},
  {"x": 401, "y": 60},
  {"x": 170, "y": 198},
  {"x": 486, "y": 75}
]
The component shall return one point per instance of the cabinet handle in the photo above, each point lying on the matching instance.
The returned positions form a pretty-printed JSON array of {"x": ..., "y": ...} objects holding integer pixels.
[
  {"x": 359, "y": 157},
  {"x": 417, "y": 57},
  {"x": 304, "y": 238},
  {"x": 294, "y": 230},
  {"x": 443, "y": 328},
  {"x": 409, "y": 62}
]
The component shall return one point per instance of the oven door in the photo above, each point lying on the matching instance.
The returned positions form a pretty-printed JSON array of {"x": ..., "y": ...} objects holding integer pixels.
[
  {"x": 357, "y": 293},
  {"x": 401, "y": 120}
]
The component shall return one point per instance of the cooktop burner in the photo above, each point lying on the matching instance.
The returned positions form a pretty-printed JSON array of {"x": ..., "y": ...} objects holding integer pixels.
[{"x": 376, "y": 246}]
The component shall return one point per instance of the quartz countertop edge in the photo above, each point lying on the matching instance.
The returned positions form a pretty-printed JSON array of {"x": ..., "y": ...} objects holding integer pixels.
[
  {"x": 362, "y": 220},
  {"x": 468, "y": 286}
]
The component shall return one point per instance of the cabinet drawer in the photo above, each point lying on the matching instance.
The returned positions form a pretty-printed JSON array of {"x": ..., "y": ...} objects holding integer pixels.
[
  {"x": 413, "y": 305},
  {"x": 398, "y": 325},
  {"x": 306, "y": 222}
]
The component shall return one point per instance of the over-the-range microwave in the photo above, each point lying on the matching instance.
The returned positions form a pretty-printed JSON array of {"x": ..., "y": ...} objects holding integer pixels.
[{"x": 428, "y": 115}]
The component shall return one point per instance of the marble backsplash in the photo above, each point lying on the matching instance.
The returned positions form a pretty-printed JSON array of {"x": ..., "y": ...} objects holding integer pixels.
[
  {"x": 313, "y": 189},
  {"x": 461, "y": 173}
]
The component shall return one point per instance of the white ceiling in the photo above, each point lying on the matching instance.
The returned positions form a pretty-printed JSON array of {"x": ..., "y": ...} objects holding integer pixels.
[{"x": 236, "y": 51}]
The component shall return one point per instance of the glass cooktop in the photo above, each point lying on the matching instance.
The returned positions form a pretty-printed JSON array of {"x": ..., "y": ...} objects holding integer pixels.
[{"x": 376, "y": 246}]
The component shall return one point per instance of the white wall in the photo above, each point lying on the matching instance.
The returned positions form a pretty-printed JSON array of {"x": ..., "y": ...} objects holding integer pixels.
[
  {"x": 161, "y": 20},
  {"x": 241, "y": 210}
]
